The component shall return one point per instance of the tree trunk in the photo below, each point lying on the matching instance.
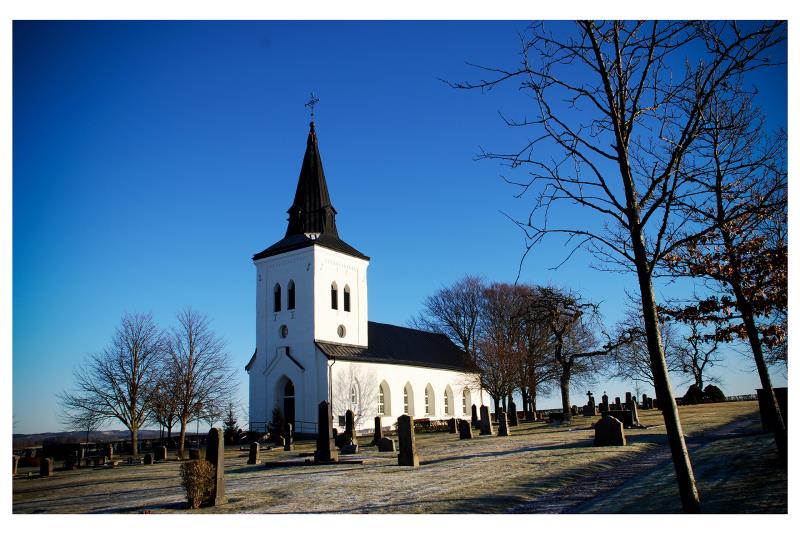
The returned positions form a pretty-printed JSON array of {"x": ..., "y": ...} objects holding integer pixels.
[
  {"x": 182, "y": 440},
  {"x": 134, "y": 442},
  {"x": 690, "y": 497},
  {"x": 564, "y": 385},
  {"x": 763, "y": 372},
  {"x": 525, "y": 403},
  {"x": 533, "y": 406}
]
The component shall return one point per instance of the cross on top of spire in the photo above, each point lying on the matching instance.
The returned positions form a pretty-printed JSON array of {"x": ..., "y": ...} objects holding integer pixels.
[{"x": 313, "y": 101}]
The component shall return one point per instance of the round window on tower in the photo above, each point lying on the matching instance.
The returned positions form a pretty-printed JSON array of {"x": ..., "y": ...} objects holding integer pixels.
[
  {"x": 284, "y": 330},
  {"x": 341, "y": 330}
]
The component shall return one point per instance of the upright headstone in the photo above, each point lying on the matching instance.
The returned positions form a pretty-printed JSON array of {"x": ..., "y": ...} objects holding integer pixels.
[
  {"x": 608, "y": 431},
  {"x": 644, "y": 401},
  {"x": 349, "y": 426},
  {"x": 451, "y": 425},
  {"x": 386, "y": 445},
  {"x": 161, "y": 453},
  {"x": 46, "y": 467},
  {"x": 408, "y": 443},
  {"x": 502, "y": 420},
  {"x": 110, "y": 451},
  {"x": 148, "y": 459},
  {"x": 604, "y": 403},
  {"x": 215, "y": 453},
  {"x": 255, "y": 454},
  {"x": 513, "y": 419},
  {"x": 326, "y": 446},
  {"x": 617, "y": 403},
  {"x": 288, "y": 437},
  {"x": 475, "y": 421},
  {"x": 628, "y": 398},
  {"x": 634, "y": 413},
  {"x": 465, "y": 430},
  {"x": 378, "y": 429},
  {"x": 14, "y": 464},
  {"x": 486, "y": 422}
]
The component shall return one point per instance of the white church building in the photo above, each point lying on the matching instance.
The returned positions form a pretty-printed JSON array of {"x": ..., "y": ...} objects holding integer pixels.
[{"x": 314, "y": 341}]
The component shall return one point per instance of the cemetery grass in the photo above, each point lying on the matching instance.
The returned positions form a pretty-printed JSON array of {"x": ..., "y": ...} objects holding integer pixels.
[{"x": 483, "y": 475}]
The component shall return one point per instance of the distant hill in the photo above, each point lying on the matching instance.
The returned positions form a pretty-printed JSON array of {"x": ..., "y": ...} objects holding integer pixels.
[{"x": 32, "y": 440}]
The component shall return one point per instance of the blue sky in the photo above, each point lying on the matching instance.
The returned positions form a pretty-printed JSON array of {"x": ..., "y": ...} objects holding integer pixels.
[{"x": 152, "y": 159}]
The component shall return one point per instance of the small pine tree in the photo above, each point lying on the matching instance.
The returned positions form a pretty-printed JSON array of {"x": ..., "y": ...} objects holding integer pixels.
[
  {"x": 233, "y": 433},
  {"x": 276, "y": 425}
]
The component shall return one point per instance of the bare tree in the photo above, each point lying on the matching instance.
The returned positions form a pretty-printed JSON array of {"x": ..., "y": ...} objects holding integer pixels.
[
  {"x": 356, "y": 389},
  {"x": 697, "y": 354},
  {"x": 164, "y": 403},
  {"x": 617, "y": 109},
  {"x": 199, "y": 364},
  {"x": 79, "y": 417},
  {"x": 116, "y": 383},
  {"x": 537, "y": 370}
]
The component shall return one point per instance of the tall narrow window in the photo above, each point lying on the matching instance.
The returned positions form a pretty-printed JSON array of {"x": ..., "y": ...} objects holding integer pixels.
[
  {"x": 277, "y": 301},
  {"x": 353, "y": 396},
  {"x": 464, "y": 402},
  {"x": 447, "y": 402},
  {"x": 290, "y": 295},
  {"x": 427, "y": 403},
  {"x": 405, "y": 400},
  {"x": 334, "y": 297},
  {"x": 347, "y": 298},
  {"x": 381, "y": 401}
]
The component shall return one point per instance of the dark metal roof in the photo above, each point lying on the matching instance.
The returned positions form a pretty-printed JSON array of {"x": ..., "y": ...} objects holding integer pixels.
[
  {"x": 250, "y": 363},
  {"x": 311, "y": 213},
  {"x": 402, "y": 346}
]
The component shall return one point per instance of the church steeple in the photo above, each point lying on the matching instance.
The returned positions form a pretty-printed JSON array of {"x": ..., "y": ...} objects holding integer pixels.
[{"x": 312, "y": 213}]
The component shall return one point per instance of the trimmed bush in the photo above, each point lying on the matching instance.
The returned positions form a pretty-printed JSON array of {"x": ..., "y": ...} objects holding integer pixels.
[
  {"x": 343, "y": 439},
  {"x": 713, "y": 394},
  {"x": 694, "y": 395},
  {"x": 197, "y": 479}
]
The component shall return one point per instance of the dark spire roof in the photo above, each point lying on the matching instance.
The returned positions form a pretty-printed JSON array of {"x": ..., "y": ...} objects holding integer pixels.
[{"x": 312, "y": 217}]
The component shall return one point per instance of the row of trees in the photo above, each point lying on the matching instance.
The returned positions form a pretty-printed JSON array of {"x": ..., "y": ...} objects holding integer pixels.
[
  {"x": 147, "y": 374},
  {"x": 645, "y": 149}
]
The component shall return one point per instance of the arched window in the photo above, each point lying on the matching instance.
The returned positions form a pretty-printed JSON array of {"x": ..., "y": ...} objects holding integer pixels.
[
  {"x": 447, "y": 402},
  {"x": 427, "y": 403},
  {"x": 334, "y": 297},
  {"x": 353, "y": 396},
  {"x": 430, "y": 400},
  {"x": 381, "y": 401},
  {"x": 405, "y": 400},
  {"x": 290, "y": 295},
  {"x": 347, "y": 298},
  {"x": 277, "y": 301},
  {"x": 464, "y": 402}
]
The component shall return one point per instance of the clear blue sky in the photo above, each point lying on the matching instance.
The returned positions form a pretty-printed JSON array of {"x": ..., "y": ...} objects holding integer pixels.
[{"x": 152, "y": 159}]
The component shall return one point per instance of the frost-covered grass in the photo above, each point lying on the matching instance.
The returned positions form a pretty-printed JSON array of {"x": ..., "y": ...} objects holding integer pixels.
[{"x": 486, "y": 474}]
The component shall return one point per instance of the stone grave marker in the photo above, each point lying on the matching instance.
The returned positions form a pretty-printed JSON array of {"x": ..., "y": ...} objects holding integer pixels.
[
  {"x": 634, "y": 414},
  {"x": 378, "y": 429},
  {"x": 502, "y": 420},
  {"x": 46, "y": 467},
  {"x": 486, "y": 422},
  {"x": 465, "y": 430},
  {"x": 617, "y": 404},
  {"x": 255, "y": 454},
  {"x": 608, "y": 431},
  {"x": 110, "y": 451},
  {"x": 475, "y": 420},
  {"x": 194, "y": 454},
  {"x": 215, "y": 453},
  {"x": 326, "y": 446},
  {"x": 604, "y": 403},
  {"x": 513, "y": 419},
  {"x": 386, "y": 445},
  {"x": 350, "y": 448},
  {"x": 349, "y": 426},
  {"x": 451, "y": 425},
  {"x": 628, "y": 398},
  {"x": 148, "y": 459},
  {"x": 288, "y": 437},
  {"x": 408, "y": 443},
  {"x": 161, "y": 454}
]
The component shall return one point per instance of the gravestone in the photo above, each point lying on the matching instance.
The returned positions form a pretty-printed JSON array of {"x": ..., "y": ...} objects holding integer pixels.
[
  {"x": 634, "y": 413},
  {"x": 110, "y": 451},
  {"x": 349, "y": 426},
  {"x": 628, "y": 398},
  {"x": 623, "y": 416},
  {"x": 604, "y": 403},
  {"x": 502, "y": 420},
  {"x": 194, "y": 454},
  {"x": 608, "y": 431},
  {"x": 475, "y": 423},
  {"x": 255, "y": 454},
  {"x": 215, "y": 453},
  {"x": 651, "y": 403},
  {"x": 46, "y": 467},
  {"x": 378, "y": 429},
  {"x": 486, "y": 422},
  {"x": 644, "y": 401},
  {"x": 574, "y": 410},
  {"x": 617, "y": 404},
  {"x": 350, "y": 448},
  {"x": 326, "y": 446},
  {"x": 288, "y": 437},
  {"x": 512, "y": 414},
  {"x": 148, "y": 459},
  {"x": 14, "y": 464},
  {"x": 161, "y": 453},
  {"x": 408, "y": 443},
  {"x": 386, "y": 445},
  {"x": 451, "y": 425},
  {"x": 465, "y": 430},
  {"x": 555, "y": 417}
]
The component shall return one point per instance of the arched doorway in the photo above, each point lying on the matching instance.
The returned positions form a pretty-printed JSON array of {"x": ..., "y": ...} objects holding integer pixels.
[{"x": 288, "y": 402}]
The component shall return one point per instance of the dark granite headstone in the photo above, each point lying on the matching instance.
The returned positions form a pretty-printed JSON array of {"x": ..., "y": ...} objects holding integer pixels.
[
  {"x": 46, "y": 467},
  {"x": 326, "y": 446},
  {"x": 475, "y": 420},
  {"x": 350, "y": 448},
  {"x": 465, "y": 430},
  {"x": 14, "y": 464},
  {"x": 589, "y": 410},
  {"x": 148, "y": 459},
  {"x": 512, "y": 414},
  {"x": 644, "y": 401},
  {"x": 194, "y": 454},
  {"x": 628, "y": 398},
  {"x": 255, "y": 454},
  {"x": 451, "y": 425},
  {"x": 386, "y": 445},
  {"x": 215, "y": 453},
  {"x": 608, "y": 431},
  {"x": 486, "y": 422},
  {"x": 502, "y": 420},
  {"x": 349, "y": 426},
  {"x": 408, "y": 443},
  {"x": 634, "y": 413},
  {"x": 623, "y": 416},
  {"x": 604, "y": 403},
  {"x": 617, "y": 404},
  {"x": 378, "y": 429},
  {"x": 288, "y": 437},
  {"x": 161, "y": 453}
]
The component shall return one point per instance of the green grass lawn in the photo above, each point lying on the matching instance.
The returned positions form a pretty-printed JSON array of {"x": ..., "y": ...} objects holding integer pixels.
[{"x": 538, "y": 468}]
